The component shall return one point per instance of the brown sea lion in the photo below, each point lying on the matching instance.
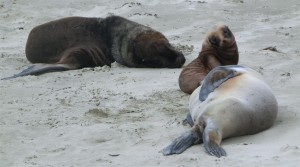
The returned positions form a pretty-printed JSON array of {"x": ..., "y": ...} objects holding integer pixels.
[
  {"x": 136, "y": 45},
  {"x": 219, "y": 48},
  {"x": 232, "y": 101},
  {"x": 66, "y": 44},
  {"x": 78, "y": 42}
]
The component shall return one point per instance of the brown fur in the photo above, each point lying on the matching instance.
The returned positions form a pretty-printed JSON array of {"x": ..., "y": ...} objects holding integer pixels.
[
  {"x": 88, "y": 42},
  {"x": 152, "y": 49},
  {"x": 78, "y": 42},
  {"x": 136, "y": 45},
  {"x": 73, "y": 41},
  {"x": 219, "y": 48}
]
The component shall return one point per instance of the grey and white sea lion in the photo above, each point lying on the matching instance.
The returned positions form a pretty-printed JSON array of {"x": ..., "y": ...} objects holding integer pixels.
[
  {"x": 232, "y": 101},
  {"x": 78, "y": 42},
  {"x": 218, "y": 48}
]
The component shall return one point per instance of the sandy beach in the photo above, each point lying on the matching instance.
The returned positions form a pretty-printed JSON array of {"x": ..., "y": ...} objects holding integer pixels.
[{"x": 120, "y": 116}]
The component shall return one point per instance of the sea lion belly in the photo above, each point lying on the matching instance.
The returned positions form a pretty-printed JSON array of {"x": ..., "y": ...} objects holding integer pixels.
[
  {"x": 231, "y": 101},
  {"x": 242, "y": 105}
]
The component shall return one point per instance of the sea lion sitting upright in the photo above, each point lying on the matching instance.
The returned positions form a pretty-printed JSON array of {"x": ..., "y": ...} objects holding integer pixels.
[
  {"x": 78, "y": 42},
  {"x": 232, "y": 101},
  {"x": 136, "y": 45},
  {"x": 219, "y": 48}
]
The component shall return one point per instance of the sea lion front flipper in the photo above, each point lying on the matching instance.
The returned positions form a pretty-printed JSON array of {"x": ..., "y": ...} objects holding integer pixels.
[
  {"x": 38, "y": 69},
  {"x": 181, "y": 143},
  {"x": 214, "y": 79},
  {"x": 210, "y": 143}
]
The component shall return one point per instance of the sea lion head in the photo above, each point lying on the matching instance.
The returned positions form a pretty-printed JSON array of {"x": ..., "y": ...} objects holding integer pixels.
[
  {"x": 153, "y": 50},
  {"x": 221, "y": 43},
  {"x": 220, "y": 37}
]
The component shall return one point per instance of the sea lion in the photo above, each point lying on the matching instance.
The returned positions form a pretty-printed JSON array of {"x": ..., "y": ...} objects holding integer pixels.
[
  {"x": 232, "y": 101},
  {"x": 78, "y": 42},
  {"x": 66, "y": 44},
  {"x": 136, "y": 45},
  {"x": 219, "y": 48}
]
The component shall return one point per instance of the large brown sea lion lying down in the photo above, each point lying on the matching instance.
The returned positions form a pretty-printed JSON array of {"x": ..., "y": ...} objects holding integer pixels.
[
  {"x": 219, "y": 48},
  {"x": 78, "y": 42}
]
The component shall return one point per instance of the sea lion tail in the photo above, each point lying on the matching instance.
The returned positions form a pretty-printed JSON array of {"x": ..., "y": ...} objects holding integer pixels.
[
  {"x": 183, "y": 142},
  {"x": 38, "y": 69}
]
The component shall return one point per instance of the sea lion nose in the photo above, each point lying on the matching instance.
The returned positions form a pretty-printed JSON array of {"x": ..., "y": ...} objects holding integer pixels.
[{"x": 180, "y": 60}]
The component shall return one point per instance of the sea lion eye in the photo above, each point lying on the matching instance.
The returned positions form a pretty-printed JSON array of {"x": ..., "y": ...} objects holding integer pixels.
[
  {"x": 226, "y": 32},
  {"x": 214, "y": 40}
]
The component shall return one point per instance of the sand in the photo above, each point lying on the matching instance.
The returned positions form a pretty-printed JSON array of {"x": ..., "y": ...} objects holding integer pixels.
[{"x": 119, "y": 116}]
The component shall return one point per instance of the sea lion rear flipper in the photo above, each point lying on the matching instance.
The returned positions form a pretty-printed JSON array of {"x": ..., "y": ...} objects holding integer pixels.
[
  {"x": 38, "y": 69},
  {"x": 181, "y": 143},
  {"x": 214, "y": 79},
  {"x": 211, "y": 145}
]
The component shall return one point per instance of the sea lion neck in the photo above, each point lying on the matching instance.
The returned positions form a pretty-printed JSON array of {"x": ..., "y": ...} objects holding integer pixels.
[
  {"x": 205, "y": 57},
  {"x": 229, "y": 55},
  {"x": 225, "y": 56}
]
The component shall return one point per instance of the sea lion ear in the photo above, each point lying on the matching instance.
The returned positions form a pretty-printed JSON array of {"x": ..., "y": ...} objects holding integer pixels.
[{"x": 214, "y": 79}]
